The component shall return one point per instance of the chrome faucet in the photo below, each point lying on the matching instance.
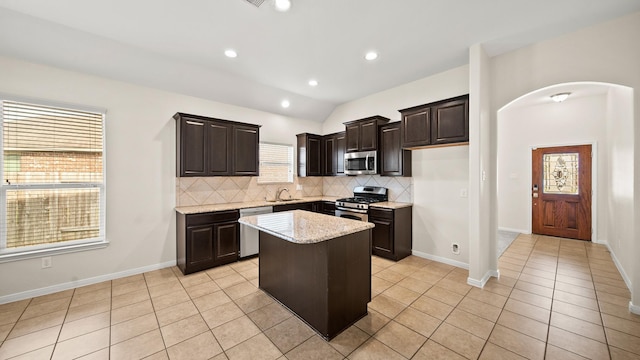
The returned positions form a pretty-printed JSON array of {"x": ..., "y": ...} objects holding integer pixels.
[{"x": 279, "y": 193}]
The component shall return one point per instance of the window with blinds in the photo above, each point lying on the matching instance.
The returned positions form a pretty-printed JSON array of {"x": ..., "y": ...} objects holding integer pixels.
[
  {"x": 52, "y": 192},
  {"x": 276, "y": 163}
]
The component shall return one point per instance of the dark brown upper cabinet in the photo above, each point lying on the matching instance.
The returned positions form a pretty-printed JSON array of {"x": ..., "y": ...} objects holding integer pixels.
[
  {"x": 333, "y": 149},
  {"x": 309, "y": 155},
  {"x": 321, "y": 155},
  {"x": 341, "y": 149},
  {"x": 246, "y": 139},
  {"x": 394, "y": 160},
  {"x": 213, "y": 147},
  {"x": 362, "y": 135},
  {"x": 438, "y": 123}
]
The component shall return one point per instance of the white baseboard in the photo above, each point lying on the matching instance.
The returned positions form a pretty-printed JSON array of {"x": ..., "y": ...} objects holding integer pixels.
[
  {"x": 634, "y": 308},
  {"x": 521, "y": 231},
  {"x": 440, "y": 259},
  {"x": 626, "y": 278},
  {"x": 82, "y": 282},
  {"x": 601, "y": 242},
  {"x": 480, "y": 283}
]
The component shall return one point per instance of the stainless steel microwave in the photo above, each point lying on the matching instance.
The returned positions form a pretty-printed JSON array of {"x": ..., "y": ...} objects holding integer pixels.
[{"x": 361, "y": 163}]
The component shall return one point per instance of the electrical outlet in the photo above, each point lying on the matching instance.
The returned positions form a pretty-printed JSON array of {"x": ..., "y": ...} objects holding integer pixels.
[
  {"x": 298, "y": 187},
  {"x": 46, "y": 262},
  {"x": 464, "y": 193},
  {"x": 455, "y": 248}
]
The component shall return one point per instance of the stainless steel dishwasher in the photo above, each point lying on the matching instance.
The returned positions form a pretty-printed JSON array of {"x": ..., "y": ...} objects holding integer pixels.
[{"x": 248, "y": 235}]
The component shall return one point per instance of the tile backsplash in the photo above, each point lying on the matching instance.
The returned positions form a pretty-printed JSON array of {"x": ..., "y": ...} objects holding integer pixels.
[
  {"x": 192, "y": 191},
  {"x": 400, "y": 188}
]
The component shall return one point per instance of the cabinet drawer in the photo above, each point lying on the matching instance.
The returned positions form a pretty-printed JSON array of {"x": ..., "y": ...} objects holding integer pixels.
[
  {"x": 212, "y": 217},
  {"x": 381, "y": 213}
]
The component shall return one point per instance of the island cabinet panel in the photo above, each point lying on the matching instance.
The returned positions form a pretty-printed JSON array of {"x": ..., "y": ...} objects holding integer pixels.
[
  {"x": 207, "y": 240},
  {"x": 439, "y": 123},
  {"x": 327, "y": 284},
  {"x": 394, "y": 160},
  {"x": 214, "y": 147},
  {"x": 392, "y": 238},
  {"x": 362, "y": 135}
]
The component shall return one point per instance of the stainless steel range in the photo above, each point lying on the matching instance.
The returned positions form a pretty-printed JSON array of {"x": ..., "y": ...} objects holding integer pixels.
[{"x": 357, "y": 207}]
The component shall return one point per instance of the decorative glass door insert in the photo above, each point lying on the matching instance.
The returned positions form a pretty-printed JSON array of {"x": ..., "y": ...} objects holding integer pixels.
[{"x": 560, "y": 173}]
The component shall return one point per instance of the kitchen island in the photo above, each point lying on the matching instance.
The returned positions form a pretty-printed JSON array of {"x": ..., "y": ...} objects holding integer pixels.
[{"x": 318, "y": 266}]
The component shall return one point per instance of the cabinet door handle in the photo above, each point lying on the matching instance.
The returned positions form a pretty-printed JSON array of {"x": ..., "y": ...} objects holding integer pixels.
[{"x": 195, "y": 123}]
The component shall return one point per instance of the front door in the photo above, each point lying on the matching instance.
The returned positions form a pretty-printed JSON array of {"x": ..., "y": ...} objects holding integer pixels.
[{"x": 561, "y": 190}]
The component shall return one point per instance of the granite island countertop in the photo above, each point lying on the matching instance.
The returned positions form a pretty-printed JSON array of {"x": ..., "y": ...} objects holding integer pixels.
[{"x": 304, "y": 227}]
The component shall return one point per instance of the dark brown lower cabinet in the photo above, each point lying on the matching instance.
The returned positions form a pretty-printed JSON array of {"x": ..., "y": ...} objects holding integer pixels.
[
  {"x": 328, "y": 208},
  {"x": 391, "y": 238},
  {"x": 207, "y": 240},
  {"x": 297, "y": 206}
]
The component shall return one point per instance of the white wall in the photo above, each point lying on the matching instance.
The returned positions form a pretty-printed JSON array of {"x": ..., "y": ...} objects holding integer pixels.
[
  {"x": 608, "y": 53},
  {"x": 140, "y": 150},
  {"x": 619, "y": 166},
  {"x": 578, "y": 120},
  {"x": 440, "y": 216},
  {"x": 482, "y": 229}
]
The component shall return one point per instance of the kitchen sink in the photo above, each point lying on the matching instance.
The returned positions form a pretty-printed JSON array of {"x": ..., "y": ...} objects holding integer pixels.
[{"x": 283, "y": 200}]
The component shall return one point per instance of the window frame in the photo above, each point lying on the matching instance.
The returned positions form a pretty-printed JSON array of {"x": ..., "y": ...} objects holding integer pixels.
[
  {"x": 292, "y": 164},
  {"x": 7, "y": 255}
]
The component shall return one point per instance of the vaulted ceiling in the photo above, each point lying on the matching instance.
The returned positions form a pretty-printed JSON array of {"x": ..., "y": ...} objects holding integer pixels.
[{"x": 179, "y": 45}]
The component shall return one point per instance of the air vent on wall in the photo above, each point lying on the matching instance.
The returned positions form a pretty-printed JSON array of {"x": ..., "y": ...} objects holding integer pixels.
[{"x": 257, "y": 3}]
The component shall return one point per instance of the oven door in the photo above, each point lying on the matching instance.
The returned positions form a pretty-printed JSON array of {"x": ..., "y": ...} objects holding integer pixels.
[{"x": 360, "y": 215}]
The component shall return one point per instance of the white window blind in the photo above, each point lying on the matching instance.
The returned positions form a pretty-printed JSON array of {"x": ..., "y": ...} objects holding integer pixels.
[
  {"x": 52, "y": 192},
  {"x": 276, "y": 163}
]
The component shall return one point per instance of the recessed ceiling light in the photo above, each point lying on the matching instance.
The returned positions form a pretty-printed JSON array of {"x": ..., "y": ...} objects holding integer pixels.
[
  {"x": 371, "y": 55},
  {"x": 285, "y": 103},
  {"x": 231, "y": 53},
  {"x": 283, "y": 5},
  {"x": 313, "y": 82},
  {"x": 560, "y": 97}
]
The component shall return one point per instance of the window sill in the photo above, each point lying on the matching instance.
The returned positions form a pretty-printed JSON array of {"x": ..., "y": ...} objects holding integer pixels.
[{"x": 23, "y": 255}]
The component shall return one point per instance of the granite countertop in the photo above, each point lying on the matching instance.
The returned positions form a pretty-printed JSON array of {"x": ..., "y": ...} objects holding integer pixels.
[
  {"x": 391, "y": 205},
  {"x": 304, "y": 227},
  {"x": 252, "y": 204},
  {"x": 248, "y": 204}
]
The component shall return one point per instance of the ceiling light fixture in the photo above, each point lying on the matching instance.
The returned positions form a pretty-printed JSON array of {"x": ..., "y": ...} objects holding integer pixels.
[
  {"x": 313, "y": 82},
  {"x": 285, "y": 103},
  {"x": 560, "y": 97},
  {"x": 283, "y": 5},
  {"x": 230, "y": 53},
  {"x": 371, "y": 55}
]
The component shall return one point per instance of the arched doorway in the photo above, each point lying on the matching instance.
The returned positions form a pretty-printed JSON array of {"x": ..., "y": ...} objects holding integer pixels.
[{"x": 599, "y": 114}]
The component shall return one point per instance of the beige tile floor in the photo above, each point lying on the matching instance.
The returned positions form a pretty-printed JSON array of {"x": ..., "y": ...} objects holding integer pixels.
[{"x": 559, "y": 299}]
